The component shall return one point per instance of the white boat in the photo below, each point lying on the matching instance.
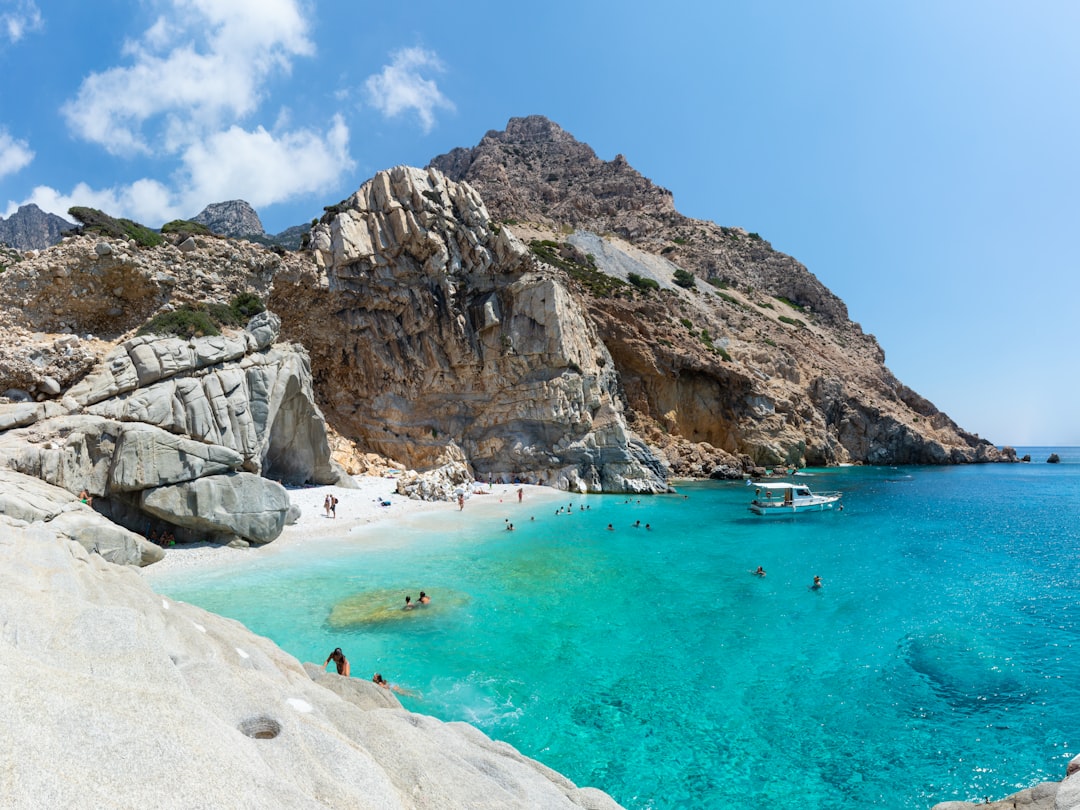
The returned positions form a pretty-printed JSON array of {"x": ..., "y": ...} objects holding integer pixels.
[{"x": 780, "y": 498}]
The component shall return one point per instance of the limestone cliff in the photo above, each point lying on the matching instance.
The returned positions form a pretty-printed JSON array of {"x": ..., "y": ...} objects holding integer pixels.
[
  {"x": 749, "y": 359},
  {"x": 448, "y": 340}
]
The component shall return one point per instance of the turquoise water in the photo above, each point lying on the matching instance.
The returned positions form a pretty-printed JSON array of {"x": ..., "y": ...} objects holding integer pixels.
[{"x": 941, "y": 660}]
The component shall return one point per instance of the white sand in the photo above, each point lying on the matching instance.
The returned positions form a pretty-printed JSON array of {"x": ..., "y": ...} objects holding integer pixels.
[{"x": 356, "y": 507}]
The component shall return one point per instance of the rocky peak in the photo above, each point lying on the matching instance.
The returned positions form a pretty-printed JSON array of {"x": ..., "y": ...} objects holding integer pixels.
[
  {"x": 30, "y": 228},
  {"x": 232, "y": 218}
]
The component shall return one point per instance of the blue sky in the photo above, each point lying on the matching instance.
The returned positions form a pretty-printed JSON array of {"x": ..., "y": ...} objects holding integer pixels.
[{"x": 921, "y": 158}]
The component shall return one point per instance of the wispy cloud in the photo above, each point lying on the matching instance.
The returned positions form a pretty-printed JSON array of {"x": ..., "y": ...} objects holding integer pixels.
[
  {"x": 14, "y": 154},
  {"x": 18, "y": 18},
  {"x": 401, "y": 87}
]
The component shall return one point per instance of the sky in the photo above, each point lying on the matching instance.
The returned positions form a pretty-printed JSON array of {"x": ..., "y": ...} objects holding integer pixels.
[{"x": 921, "y": 158}]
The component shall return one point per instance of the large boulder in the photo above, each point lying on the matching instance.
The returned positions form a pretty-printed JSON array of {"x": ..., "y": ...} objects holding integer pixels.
[
  {"x": 28, "y": 502},
  {"x": 234, "y": 505}
]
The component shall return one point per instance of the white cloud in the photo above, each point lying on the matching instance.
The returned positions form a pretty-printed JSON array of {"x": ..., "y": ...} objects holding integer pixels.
[
  {"x": 21, "y": 20},
  {"x": 260, "y": 167},
  {"x": 263, "y": 168},
  {"x": 198, "y": 69},
  {"x": 401, "y": 87},
  {"x": 146, "y": 196},
  {"x": 14, "y": 155}
]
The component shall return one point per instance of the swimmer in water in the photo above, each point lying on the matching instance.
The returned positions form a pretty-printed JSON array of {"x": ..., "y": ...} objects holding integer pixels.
[
  {"x": 760, "y": 572},
  {"x": 817, "y": 583}
]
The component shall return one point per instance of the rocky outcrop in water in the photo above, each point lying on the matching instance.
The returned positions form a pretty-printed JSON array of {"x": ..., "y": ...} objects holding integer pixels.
[
  {"x": 449, "y": 338},
  {"x": 117, "y": 697}
]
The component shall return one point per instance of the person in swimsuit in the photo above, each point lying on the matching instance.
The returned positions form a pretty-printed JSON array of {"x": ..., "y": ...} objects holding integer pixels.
[{"x": 339, "y": 659}]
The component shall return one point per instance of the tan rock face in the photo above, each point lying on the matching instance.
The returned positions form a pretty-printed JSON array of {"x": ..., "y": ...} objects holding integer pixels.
[
  {"x": 756, "y": 360},
  {"x": 447, "y": 330}
]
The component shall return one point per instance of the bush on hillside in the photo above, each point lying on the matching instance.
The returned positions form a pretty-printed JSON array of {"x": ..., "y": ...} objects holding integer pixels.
[
  {"x": 93, "y": 221},
  {"x": 204, "y": 320},
  {"x": 685, "y": 279}
]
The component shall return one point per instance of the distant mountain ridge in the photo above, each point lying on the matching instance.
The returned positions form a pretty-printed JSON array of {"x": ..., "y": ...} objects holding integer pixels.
[{"x": 30, "y": 228}]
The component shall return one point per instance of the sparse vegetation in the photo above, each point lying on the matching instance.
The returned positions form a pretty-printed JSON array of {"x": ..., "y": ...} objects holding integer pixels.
[
  {"x": 790, "y": 303},
  {"x": 678, "y": 240},
  {"x": 685, "y": 279},
  {"x": 765, "y": 305},
  {"x": 93, "y": 221},
  {"x": 204, "y": 320},
  {"x": 792, "y": 321},
  {"x": 731, "y": 299},
  {"x": 687, "y": 323},
  {"x": 186, "y": 227},
  {"x": 642, "y": 283},
  {"x": 580, "y": 268},
  {"x": 718, "y": 282}
]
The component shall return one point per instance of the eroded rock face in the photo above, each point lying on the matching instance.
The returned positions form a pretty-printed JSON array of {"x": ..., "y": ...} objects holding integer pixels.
[
  {"x": 753, "y": 358},
  {"x": 448, "y": 332},
  {"x": 135, "y": 676},
  {"x": 181, "y": 436}
]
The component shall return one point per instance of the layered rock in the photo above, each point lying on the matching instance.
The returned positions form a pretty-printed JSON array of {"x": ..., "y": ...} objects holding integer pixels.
[
  {"x": 448, "y": 334},
  {"x": 117, "y": 697},
  {"x": 190, "y": 437}
]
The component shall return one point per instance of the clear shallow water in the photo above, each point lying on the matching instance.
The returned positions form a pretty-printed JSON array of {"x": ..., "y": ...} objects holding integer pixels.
[{"x": 940, "y": 661}]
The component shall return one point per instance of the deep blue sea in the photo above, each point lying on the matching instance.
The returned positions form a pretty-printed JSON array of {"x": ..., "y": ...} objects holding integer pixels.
[{"x": 941, "y": 659}]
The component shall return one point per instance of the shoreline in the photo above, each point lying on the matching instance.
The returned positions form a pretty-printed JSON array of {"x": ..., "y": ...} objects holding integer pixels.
[{"x": 356, "y": 509}]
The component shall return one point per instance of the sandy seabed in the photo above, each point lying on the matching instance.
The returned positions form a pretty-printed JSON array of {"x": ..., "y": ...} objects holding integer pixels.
[{"x": 357, "y": 507}]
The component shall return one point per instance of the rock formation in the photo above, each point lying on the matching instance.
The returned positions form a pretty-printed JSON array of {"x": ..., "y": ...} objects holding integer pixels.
[
  {"x": 233, "y": 218},
  {"x": 750, "y": 360},
  {"x": 185, "y": 437},
  {"x": 30, "y": 228},
  {"x": 117, "y": 697},
  {"x": 449, "y": 338}
]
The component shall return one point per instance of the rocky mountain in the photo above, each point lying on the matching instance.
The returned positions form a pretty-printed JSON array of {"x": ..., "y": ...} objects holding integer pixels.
[
  {"x": 238, "y": 219},
  {"x": 30, "y": 228},
  {"x": 728, "y": 353},
  {"x": 233, "y": 218}
]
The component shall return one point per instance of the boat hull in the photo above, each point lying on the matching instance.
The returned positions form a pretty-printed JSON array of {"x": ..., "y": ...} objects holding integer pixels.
[{"x": 816, "y": 504}]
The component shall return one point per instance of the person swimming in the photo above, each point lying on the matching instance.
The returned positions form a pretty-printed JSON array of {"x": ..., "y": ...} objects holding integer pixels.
[
  {"x": 424, "y": 598},
  {"x": 760, "y": 572},
  {"x": 408, "y": 603},
  {"x": 340, "y": 661},
  {"x": 817, "y": 583}
]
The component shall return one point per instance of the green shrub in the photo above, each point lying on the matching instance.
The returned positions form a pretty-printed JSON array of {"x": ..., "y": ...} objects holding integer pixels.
[
  {"x": 720, "y": 350},
  {"x": 790, "y": 303},
  {"x": 765, "y": 305},
  {"x": 731, "y": 299},
  {"x": 184, "y": 322},
  {"x": 642, "y": 283},
  {"x": 687, "y": 323},
  {"x": 718, "y": 282},
  {"x": 246, "y": 305},
  {"x": 186, "y": 226},
  {"x": 204, "y": 320},
  {"x": 678, "y": 240},
  {"x": 791, "y": 321},
  {"x": 684, "y": 278},
  {"x": 93, "y": 221}
]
